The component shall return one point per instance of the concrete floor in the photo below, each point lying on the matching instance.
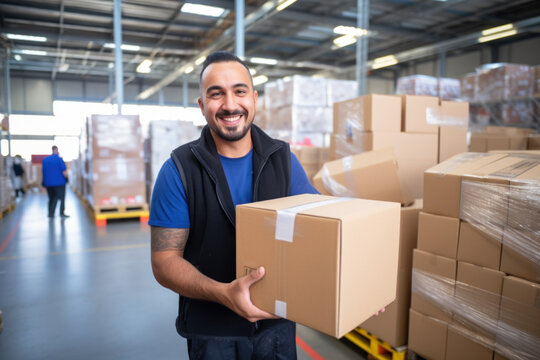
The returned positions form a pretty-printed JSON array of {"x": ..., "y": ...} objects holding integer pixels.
[{"x": 70, "y": 290}]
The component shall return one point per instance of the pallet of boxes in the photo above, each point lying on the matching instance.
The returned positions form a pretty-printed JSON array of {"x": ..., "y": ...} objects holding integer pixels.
[
  {"x": 476, "y": 271},
  {"x": 115, "y": 163},
  {"x": 7, "y": 194}
]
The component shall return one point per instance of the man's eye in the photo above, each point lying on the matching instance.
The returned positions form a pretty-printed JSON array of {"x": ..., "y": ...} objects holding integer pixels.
[{"x": 215, "y": 94}]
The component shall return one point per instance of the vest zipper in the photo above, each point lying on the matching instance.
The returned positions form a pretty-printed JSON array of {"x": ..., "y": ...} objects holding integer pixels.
[{"x": 256, "y": 186}]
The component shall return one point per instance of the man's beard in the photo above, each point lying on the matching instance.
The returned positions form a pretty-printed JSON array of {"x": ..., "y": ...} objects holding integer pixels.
[{"x": 232, "y": 135}]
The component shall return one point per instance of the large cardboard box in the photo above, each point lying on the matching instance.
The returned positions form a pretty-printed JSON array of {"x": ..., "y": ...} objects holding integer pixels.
[
  {"x": 392, "y": 325},
  {"x": 418, "y": 114},
  {"x": 427, "y": 336},
  {"x": 316, "y": 250},
  {"x": 371, "y": 175},
  {"x": 438, "y": 234},
  {"x": 478, "y": 142},
  {"x": 433, "y": 283},
  {"x": 520, "y": 256},
  {"x": 452, "y": 141},
  {"x": 115, "y": 136},
  {"x": 442, "y": 183},
  {"x": 533, "y": 141},
  {"x": 477, "y": 247},
  {"x": 518, "y": 333},
  {"x": 368, "y": 113},
  {"x": 462, "y": 347}
]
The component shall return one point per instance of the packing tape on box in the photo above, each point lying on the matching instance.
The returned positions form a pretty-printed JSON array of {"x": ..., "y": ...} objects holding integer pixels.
[
  {"x": 285, "y": 217},
  {"x": 435, "y": 116},
  {"x": 280, "y": 309}
]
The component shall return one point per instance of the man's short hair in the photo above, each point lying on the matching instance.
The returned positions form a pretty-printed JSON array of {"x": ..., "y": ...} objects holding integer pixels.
[
  {"x": 54, "y": 147},
  {"x": 222, "y": 56}
]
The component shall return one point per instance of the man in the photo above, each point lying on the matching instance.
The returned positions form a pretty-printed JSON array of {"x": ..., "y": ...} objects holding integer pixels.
[
  {"x": 192, "y": 220},
  {"x": 18, "y": 171},
  {"x": 54, "y": 180}
]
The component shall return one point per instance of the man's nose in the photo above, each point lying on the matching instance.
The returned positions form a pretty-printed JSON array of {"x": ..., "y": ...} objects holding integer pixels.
[{"x": 229, "y": 102}]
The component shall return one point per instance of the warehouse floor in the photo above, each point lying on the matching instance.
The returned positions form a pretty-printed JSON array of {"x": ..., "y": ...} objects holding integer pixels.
[{"x": 70, "y": 290}]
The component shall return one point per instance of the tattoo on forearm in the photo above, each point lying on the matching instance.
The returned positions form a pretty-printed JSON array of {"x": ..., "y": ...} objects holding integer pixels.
[{"x": 168, "y": 239}]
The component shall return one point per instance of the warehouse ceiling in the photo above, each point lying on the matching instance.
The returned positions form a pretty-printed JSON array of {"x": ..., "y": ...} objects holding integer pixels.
[{"x": 76, "y": 35}]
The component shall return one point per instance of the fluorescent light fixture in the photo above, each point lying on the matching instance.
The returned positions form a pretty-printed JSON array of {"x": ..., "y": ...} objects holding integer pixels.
[
  {"x": 26, "y": 37},
  {"x": 188, "y": 69},
  {"x": 252, "y": 71},
  {"x": 144, "y": 66},
  {"x": 125, "y": 47},
  {"x": 31, "y": 52},
  {"x": 258, "y": 80},
  {"x": 344, "y": 40},
  {"x": 497, "y": 36},
  {"x": 111, "y": 65},
  {"x": 200, "y": 60},
  {"x": 384, "y": 61},
  {"x": 205, "y": 10},
  {"x": 63, "y": 67},
  {"x": 350, "y": 30},
  {"x": 265, "y": 61},
  {"x": 17, "y": 57},
  {"x": 497, "y": 29},
  {"x": 284, "y": 3}
]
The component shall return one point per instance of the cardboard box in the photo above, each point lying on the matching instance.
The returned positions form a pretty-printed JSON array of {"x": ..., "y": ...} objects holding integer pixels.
[
  {"x": 416, "y": 112},
  {"x": 316, "y": 250},
  {"x": 442, "y": 183},
  {"x": 427, "y": 336},
  {"x": 452, "y": 141},
  {"x": 392, "y": 325},
  {"x": 371, "y": 175},
  {"x": 476, "y": 247},
  {"x": 368, "y": 113},
  {"x": 461, "y": 347},
  {"x": 533, "y": 141},
  {"x": 519, "y": 329},
  {"x": 438, "y": 234},
  {"x": 478, "y": 142},
  {"x": 433, "y": 282},
  {"x": 115, "y": 136},
  {"x": 519, "y": 257}
]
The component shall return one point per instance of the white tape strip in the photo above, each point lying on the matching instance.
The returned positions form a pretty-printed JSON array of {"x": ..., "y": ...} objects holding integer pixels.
[
  {"x": 281, "y": 309},
  {"x": 347, "y": 163},
  {"x": 285, "y": 217}
]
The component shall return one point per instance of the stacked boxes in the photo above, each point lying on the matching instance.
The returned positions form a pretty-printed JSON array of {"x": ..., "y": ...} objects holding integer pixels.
[
  {"x": 115, "y": 161},
  {"x": 501, "y": 138},
  {"x": 7, "y": 195},
  {"x": 445, "y": 88},
  {"x": 479, "y": 223},
  {"x": 299, "y": 109},
  {"x": 421, "y": 129},
  {"x": 163, "y": 137},
  {"x": 312, "y": 158}
]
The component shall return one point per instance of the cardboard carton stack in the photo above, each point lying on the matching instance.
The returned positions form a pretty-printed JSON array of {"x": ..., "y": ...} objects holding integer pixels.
[
  {"x": 503, "y": 94},
  {"x": 312, "y": 158},
  {"x": 536, "y": 94},
  {"x": 327, "y": 289},
  {"x": 7, "y": 195},
  {"x": 476, "y": 268},
  {"x": 163, "y": 137},
  {"x": 501, "y": 138},
  {"x": 444, "y": 88},
  {"x": 299, "y": 109},
  {"x": 421, "y": 129},
  {"x": 115, "y": 161}
]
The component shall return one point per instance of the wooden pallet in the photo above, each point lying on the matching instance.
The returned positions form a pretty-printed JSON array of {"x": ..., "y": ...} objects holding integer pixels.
[
  {"x": 104, "y": 213},
  {"x": 7, "y": 210},
  {"x": 375, "y": 347}
]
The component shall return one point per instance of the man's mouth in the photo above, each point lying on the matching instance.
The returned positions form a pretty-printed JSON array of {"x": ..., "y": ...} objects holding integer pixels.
[{"x": 232, "y": 118}]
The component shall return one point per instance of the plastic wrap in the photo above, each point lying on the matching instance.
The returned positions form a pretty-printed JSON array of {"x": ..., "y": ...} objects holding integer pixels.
[
  {"x": 296, "y": 90},
  {"x": 341, "y": 90},
  {"x": 511, "y": 329},
  {"x": 468, "y": 83},
  {"x": 449, "y": 89},
  {"x": 115, "y": 136},
  {"x": 418, "y": 85},
  {"x": 297, "y": 118},
  {"x": 7, "y": 195}
]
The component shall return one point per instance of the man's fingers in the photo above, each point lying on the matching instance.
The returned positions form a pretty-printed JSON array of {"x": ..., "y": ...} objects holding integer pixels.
[{"x": 255, "y": 275}]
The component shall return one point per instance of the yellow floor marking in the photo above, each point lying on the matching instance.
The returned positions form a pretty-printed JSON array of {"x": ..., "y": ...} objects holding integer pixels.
[{"x": 79, "y": 251}]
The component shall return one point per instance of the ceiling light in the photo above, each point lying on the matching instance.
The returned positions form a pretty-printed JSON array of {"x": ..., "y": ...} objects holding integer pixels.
[
  {"x": 202, "y": 10},
  {"x": 26, "y": 37},
  {"x": 17, "y": 57},
  {"x": 384, "y": 61},
  {"x": 144, "y": 66},
  {"x": 63, "y": 67},
  {"x": 252, "y": 71},
  {"x": 265, "y": 61},
  {"x": 497, "y": 36},
  {"x": 284, "y": 3},
  {"x": 258, "y": 80},
  {"x": 111, "y": 65},
  {"x": 200, "y": 60},
  {"x": 31, "y": 52},
  {"x": 350, "y": 30},
  {"x": 344, "y": 40},
  {"x": 188, "y": 69},
  {"x": 125, "y": 47},
  {"x": 497, "y": 29}
]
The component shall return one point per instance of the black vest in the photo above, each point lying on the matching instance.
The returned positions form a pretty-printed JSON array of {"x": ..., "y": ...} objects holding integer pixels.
[{"x": 211, "y": 245}]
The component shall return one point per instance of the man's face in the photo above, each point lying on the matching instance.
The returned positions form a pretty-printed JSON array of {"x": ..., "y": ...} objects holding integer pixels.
[{"x": 228, "y": 100}]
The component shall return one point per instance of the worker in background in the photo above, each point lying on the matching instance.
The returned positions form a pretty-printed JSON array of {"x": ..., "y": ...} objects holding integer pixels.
[
  {"x": 192, "y": 218},
  {"x": 18, "y": 171},
  {"x": 55, "y": 178}
]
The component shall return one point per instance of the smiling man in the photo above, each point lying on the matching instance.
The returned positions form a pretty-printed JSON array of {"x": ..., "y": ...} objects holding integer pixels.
[{"x": 192, "y": 220}]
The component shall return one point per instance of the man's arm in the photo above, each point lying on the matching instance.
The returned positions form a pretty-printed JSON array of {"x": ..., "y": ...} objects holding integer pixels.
[{"x": 174, "y": 272}]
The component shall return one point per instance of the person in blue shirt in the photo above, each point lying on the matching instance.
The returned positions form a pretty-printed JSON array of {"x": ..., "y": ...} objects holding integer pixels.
[
  {"x": 192, "y": 219},
  {"x": 55, "y": 178}
]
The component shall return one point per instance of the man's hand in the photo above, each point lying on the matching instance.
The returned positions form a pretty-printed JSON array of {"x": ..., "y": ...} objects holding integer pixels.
[
  {"x": 236, "y": 297},
  {"x": 380, "y": 311}
]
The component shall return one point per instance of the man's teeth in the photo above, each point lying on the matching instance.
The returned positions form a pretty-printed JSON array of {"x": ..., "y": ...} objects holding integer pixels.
[{"x": 231, "y": 118}]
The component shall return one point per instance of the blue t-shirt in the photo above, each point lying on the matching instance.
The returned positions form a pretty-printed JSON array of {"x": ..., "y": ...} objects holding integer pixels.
[
  {"x": 169, "y": 206},
  {"x": 52, "y": 167}
]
